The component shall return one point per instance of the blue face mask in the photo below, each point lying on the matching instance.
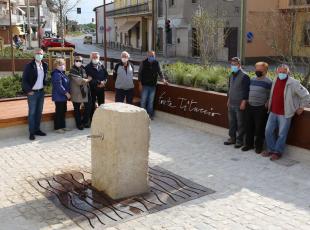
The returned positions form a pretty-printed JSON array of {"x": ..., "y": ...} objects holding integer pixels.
[
  {"x": 282, "y": 76},
  {"x": 39, "y": 57},
  {"x": 151, "y": 59},
  {"x": 234, "y": 68}
]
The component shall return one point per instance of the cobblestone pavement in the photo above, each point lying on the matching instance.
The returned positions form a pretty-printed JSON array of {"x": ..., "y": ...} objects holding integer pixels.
[{"x": 251, "y": 192}]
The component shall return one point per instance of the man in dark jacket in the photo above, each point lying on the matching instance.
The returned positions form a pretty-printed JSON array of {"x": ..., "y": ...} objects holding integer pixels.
[
  {"x": 238, "y": 95},
  {"x": 148, "y": 75},
  {"x": 33, "y": 82},
  {"x": 99, "y": 75}
]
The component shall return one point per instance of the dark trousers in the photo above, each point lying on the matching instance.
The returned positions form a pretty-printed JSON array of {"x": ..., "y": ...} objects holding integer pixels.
[
  {"x": 236, "y": 118},
  {"x": 256, "y": 119},
  {"x": 97, "y": 95},
  {"x": 60, "y": 115},
  {"x": 35, "y": 107},
  {"x": 122, "y": 94},
  {"x": 81, "y": 119}
]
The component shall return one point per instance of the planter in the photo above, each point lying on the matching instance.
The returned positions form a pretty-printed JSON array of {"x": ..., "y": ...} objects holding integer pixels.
[{"x": 210, "y": 107}]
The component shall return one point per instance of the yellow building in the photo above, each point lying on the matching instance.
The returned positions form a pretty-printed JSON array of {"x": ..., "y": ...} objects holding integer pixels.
[{"x": 133, "y": 23}]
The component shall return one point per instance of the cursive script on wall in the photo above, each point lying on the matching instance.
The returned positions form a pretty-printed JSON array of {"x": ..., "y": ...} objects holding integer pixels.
[{"x": 186, "y": 105}]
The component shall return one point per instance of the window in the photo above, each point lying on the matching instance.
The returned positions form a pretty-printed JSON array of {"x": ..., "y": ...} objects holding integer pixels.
[
  {"x": 169, "y": 37},
  {"x": 194, "y": 1},
  {"x": 160, "y": 8},
  {"x": 306, "y": 34},
  {"x": 299, "y": 2},
  {"x": 171, "y": 3}
]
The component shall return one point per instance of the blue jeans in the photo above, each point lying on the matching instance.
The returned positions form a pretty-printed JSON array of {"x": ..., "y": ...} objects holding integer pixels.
[
  {"x": 35, "y": 107},
  {"x": 147, "y": 99},
  {"x": 276, "y": 141}
]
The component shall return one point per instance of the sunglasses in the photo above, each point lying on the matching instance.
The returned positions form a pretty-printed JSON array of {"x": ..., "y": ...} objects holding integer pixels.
[{"x": 78, "y": 61}]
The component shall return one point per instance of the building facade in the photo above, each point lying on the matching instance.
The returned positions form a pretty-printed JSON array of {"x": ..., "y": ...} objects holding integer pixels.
[
  {"x": 17, "y": 16},
  {"x": 180, "y": 41},
  {"x": 132, "y": 23},
  {"x": 99, "y": 11}
]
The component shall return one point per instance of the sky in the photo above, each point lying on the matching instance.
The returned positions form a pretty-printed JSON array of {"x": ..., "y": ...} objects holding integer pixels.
[{"x": 87, "y": 7}]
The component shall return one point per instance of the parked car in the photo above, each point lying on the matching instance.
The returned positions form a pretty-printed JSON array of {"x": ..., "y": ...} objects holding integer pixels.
[
  {"x": 55, "y": 42},
  {"x": 88, "y": 40}
]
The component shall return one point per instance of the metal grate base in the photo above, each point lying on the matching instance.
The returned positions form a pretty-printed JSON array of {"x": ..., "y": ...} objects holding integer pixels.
[{"x": 72, "y": 192}]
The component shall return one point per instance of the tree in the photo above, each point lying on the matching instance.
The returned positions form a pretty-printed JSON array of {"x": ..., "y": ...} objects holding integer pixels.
[
  {"x": 209, "y": 35},
  {"x": 61, "y": 8},
  {"x": 287, "y": 33}
]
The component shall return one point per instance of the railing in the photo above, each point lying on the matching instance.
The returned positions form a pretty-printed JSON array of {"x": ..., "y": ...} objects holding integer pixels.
[{"x": 136, "y": 9}]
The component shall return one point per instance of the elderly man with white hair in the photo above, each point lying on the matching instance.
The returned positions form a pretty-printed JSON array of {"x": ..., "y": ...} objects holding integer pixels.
[
  {"x": 123, "y": 76},
  {"x": 287, "y": 98},
  {"x": 99, "y": 75}
]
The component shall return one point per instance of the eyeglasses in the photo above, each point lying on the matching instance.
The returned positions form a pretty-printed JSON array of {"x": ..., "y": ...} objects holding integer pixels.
[{"x": 78, "y": 61}]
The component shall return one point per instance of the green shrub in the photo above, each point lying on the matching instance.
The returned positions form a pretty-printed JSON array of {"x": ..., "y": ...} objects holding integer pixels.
[
  {"x": 18, "y": 53},
  {"x": 11, "y": 86}
]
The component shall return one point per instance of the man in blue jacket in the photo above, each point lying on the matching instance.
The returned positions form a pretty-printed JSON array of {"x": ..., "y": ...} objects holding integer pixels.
[
  {"x": 33, "y": 82},
  {"x": 99, "y": 75}
]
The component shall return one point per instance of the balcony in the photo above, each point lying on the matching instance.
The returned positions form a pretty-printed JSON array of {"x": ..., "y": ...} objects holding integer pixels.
[
  {"x": 16, "y": 19},
  {"x": 294, "y": 4},
  {"x": 140, "y": 9}
]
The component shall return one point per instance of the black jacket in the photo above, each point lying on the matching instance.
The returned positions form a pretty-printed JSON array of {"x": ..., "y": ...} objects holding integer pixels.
[
  {"x": 30, "y": 75},
  {"x": 149, "y": 72},
  {"x": 98, "y": 75}
]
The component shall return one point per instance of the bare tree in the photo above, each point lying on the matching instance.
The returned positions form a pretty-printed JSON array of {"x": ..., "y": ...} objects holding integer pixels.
[
  {"x": 288, "y": 36},
  {"x": 61, "y": 8},
  {"x": 209, "y": 35}
]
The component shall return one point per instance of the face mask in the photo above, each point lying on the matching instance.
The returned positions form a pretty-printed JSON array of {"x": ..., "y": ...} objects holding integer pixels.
[
  {"x": 282, "y": 76},
  {"x": 234, "y": 68},
  {"x": 78, "y": 64},
  {"x": 39, "y": 57},
  {"x": 124, "y": 60},
  {"x": 259, "y": 73},
  {"x": 95, "y": 61},
  {"x": 151, "y": 59},
  {"x": 62, "y": 68}
]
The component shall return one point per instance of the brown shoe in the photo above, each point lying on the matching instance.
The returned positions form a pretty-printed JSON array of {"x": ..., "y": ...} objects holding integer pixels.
[
  {"x": 275, "y": 157},
  {"x": 266, "y": 154}
]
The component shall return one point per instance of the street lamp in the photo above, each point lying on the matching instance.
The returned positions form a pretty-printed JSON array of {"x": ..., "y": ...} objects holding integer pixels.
[{"x": 11, "y": 38}]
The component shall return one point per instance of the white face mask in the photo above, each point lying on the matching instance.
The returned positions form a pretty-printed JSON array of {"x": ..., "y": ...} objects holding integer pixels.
[
  {"x": 124, "y": 60},
  {"x": 95, "y": 61},
  {"x": 62, "y": 68},
  {"x": 78, "y": 64}
]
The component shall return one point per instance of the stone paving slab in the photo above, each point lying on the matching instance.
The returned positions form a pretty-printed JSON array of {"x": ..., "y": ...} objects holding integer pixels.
[{"x": 251, "y": 192}]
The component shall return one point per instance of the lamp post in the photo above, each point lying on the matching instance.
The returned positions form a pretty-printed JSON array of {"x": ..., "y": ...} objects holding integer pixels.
[
  {"x": 29, "y": 26},
  {"x": 39, "y": 35},
  {"x": 166, "y": 19},
  {"x": 105, "y": 34},
  {"x": 153, "y": 26},
  {"x": 242, "y": 31},
  {"x": 11, "y": 39}
]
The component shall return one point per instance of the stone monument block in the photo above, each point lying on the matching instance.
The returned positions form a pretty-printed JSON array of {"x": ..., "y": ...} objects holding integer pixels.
[{"x": 120, "y": 149}]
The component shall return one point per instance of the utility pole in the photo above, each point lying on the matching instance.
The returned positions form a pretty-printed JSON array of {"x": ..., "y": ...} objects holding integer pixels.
[
  {"x": 242, "y": 31},
  {"x": 166, "y": 19},
  {"x": 105, "y": 34},
  {"x": 154, "y": 25},
  {"x": 39, "y": 26},
  {"x": 11, "y": 39},
  {"x": 29, "y": 26}
]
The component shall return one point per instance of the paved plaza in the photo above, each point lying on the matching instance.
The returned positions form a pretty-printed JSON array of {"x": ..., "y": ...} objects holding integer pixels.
[{"x": 251, "y": 192}]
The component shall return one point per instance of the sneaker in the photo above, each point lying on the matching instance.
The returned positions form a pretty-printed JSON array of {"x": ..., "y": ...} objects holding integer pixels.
[
  {"x": 246, "y": 148},
  {"x": 86, "y": 125},
  {"x": 275, "y": 156},
  {"x": 266, "y": 154},
  {"x": 230, "y": 141},
  {"x": 60, "y": 131},
  {"x": 80, "y": 127},
  {"x": 31, "y": 137},
  {"x": 40, "y": 133},
  {"x": 67, "y": 129}
]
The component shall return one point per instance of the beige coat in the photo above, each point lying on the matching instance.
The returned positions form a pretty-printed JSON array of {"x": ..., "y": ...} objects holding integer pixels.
[
  {"x": 78, "y": 82},
  {"x": 295, "y": 96}
]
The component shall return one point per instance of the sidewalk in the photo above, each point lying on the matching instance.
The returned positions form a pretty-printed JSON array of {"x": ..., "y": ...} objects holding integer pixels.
[{"x": 251, "y": 192}]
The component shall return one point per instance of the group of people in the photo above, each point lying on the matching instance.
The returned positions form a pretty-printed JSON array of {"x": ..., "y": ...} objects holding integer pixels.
[
  {"x": 260, "y": 110},
  {"x": 85, "y": 87}
]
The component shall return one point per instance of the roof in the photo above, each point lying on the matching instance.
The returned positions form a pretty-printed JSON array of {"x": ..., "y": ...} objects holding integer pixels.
[{"x": 103, "y": 5}]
